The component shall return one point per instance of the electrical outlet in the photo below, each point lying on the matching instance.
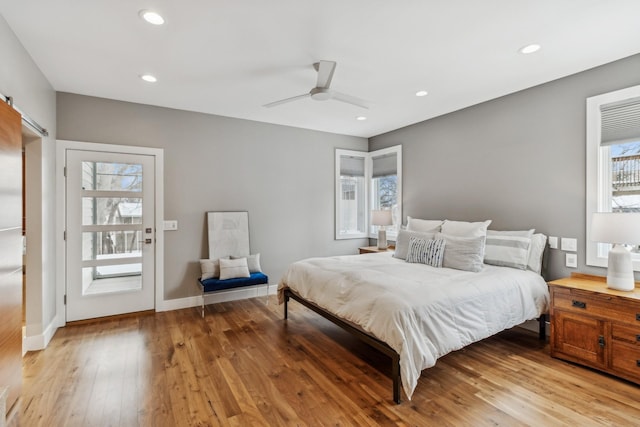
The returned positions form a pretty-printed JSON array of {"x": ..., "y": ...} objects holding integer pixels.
[
  {"x": 170, "y": 225},
  {"x": 553, "y": 242},
  {"x": 571, "y": 260},
  {"x": 568, "y": 244}
]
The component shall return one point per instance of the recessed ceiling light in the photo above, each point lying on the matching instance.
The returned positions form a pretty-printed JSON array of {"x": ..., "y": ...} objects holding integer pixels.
[
  {"x": 530, "y": 48},
  {"x": 149, "y": 78},
  {"x": 422, "y": 93},
  {"x": 152, "y": 17},
  {"x": 361, "y": 118}
]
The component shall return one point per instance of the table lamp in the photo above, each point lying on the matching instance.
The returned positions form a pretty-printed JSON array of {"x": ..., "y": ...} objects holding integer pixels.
[
  {"x": 382, "y": 219},
  {"x": 619, "y": 229}
]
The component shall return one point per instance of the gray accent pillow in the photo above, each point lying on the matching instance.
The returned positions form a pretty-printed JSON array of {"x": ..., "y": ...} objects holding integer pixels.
[
  {"x": 402, "y": 241},
  {"x": 463, "y": 253},
  {"x": 429, "y": 252},
  {"x": 508, "y": 248},
  {"x": 253, "y": 263},
  {"x": 209, "y": 268}
]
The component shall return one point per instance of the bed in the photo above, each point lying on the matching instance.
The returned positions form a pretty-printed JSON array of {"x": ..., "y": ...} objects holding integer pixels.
[{"x": 413, "y": 312}]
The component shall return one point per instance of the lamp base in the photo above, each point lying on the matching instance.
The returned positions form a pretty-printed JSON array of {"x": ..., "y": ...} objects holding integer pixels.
[
  {"x": 620, "y": 269},
  {"x": 382, "y": 239}
]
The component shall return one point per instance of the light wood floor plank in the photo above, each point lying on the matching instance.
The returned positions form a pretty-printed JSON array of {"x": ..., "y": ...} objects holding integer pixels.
[{"x": 243, "y": 365}]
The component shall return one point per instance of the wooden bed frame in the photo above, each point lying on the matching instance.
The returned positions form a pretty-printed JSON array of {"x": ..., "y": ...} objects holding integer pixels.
[{"x": 372, "y": 341}]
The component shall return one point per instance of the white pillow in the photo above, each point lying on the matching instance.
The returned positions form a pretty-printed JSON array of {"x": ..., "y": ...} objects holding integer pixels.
[
  {"x": 429, "y": 252},
  {"x": 465, "y": 229},
  {"x": 463, "y": 253},
  {"x": 233, "y": 268},
  {"x": 209, "y": 268},
  {"x": 253, "y": 263},
  {"x": 402, "y": 242},
  {"x": 508, "y": 248},
  {"x": 423, "y": 225},
  {"x": 538, "y": 244}
]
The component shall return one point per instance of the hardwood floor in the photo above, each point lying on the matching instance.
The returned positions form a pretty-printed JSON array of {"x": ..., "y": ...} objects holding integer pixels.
[{"x": 244, "y": 365}]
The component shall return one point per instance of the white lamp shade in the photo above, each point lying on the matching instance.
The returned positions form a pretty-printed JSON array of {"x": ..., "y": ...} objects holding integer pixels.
[
  {"x": 381, "y": 218},
  {"x": 613, "y": 227}
]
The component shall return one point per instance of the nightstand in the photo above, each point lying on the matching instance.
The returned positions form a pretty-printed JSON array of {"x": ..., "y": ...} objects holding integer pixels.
[
  {"x": 374, "y": 249},
  {"x": 596, "y": 326}
]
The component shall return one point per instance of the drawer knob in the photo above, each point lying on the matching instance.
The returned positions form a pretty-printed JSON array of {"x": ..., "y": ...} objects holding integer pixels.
[
  {"x": 638, "y": 337},
  {"x": 638, "y": 316},
  {"x": 601, "y": 341},
  {"x": 638, "y": 363},
  {"x": 580, "y": 304}
]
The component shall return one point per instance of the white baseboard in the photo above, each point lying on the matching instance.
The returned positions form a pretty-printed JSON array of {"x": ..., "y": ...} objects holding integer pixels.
[
  {"x": 220, "y": 296},
  {"x": 39, "y": 341}
]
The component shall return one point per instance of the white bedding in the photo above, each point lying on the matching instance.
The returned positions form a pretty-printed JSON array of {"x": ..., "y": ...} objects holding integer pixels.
[{"x": 421, "y": 312}]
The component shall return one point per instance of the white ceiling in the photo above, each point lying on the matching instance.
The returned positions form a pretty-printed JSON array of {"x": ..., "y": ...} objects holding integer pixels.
[{"x": 231, "y": 57}]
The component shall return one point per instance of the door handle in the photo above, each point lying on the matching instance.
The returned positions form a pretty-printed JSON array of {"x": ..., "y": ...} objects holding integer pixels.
[{"x": 146, "y": 241}]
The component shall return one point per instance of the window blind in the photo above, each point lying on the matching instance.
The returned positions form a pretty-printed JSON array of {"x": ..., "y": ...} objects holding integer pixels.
[
  {"x": 385, "y": 165},
  {"x": 351, "y": 166},
  {"x": 620, "y": 122}
]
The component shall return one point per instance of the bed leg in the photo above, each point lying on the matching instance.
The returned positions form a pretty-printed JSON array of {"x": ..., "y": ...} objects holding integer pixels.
[
  {"x": 542, "y": 323},
  {"x": 286, "y": 305},
  {"x": 395, "y": 375}
]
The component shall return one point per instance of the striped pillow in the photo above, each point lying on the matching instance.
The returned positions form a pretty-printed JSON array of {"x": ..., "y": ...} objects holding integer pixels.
[
  {"x": 429, "y": 252},
  {"x": 508, "y": 248}
]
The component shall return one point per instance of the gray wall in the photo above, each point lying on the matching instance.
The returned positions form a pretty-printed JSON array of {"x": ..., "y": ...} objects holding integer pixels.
[
  {"x": 283, "y": 176},
  {"x": 518, "y": 160},
  {"x": 21, "y": 78}
]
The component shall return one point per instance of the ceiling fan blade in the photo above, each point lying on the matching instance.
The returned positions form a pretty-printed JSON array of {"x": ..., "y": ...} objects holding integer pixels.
[
  {"x": 325, "y": 73},
  {"x": 284, "y": 101},
  {"x": 343, "y": 97}
]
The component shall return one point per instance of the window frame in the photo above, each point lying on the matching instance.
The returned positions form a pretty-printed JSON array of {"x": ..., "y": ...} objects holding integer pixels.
[
  {"x": 598, "y": 171},
  {"x": 368, "y": 180}
]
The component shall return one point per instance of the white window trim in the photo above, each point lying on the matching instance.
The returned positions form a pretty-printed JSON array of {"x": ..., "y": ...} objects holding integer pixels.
[
  {"x": 338, "y": 192},
  {"x": 397, "y": 149},
  {"x": 368, "y": 166},
  {"x": 598, "y": 197}
]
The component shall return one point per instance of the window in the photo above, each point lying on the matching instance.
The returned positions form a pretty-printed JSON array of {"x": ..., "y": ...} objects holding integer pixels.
[
  {"x": 613, "y": 162},
  {"x": 364, "y": 182}
]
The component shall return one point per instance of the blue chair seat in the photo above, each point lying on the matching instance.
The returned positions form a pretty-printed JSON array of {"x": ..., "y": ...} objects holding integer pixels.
[{"x": 215, "y": 284}]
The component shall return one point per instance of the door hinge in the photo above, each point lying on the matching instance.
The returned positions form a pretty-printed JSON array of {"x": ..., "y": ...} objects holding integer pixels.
[
  {"x": 64, "y": 234},
  {"x": 65, "y": 171},
  {"x": 65, "y": 299}
]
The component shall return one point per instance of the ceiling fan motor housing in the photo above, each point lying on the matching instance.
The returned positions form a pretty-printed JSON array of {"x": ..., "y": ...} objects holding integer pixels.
[{"x": 320, "y": 94}]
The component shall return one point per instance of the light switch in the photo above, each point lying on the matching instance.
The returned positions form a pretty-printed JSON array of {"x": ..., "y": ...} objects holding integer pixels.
[
  {"x": 171, "y": 225},
  {"x": 553, "y": 242},
  {"x": 571, "y": 260},
  {"x": 568, "y": 244}
]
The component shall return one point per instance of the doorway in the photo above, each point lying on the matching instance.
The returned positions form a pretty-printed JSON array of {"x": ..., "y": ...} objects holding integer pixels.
[{"x": 110, "y": 231}]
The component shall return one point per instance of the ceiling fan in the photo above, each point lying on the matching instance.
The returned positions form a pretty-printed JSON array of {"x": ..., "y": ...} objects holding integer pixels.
[{"x": 322, "y": 92}]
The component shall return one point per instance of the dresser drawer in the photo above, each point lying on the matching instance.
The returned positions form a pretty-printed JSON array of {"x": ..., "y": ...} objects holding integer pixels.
[
  {"x": 626, "y": 333},
  {"x": 600, "y": 305},
  {"x": 626, "y": 360}
]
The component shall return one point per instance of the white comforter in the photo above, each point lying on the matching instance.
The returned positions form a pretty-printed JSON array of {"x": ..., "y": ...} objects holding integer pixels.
[{"x": 420, "y": 311}]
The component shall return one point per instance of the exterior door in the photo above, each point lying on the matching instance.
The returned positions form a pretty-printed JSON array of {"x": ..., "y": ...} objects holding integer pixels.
[{"x": 110, "y": 235}]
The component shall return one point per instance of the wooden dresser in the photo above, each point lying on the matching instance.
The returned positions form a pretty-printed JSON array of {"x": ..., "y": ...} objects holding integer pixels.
[{"x": 596, "y": 326}]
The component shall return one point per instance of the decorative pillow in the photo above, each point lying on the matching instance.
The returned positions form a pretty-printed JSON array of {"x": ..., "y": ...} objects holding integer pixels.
[
  {"x": 465, "y": 229},
  {"x": 508, "y": 248},
  {"x": 423, "y": 225},
  {"x": 233, "y": 268},
  {"x": 253, "y": 263},
  {"x": 463, "y": 253},
  {"x": 402, "y": 241},
  {"x": 538, "y": 244},
  {"x": 209, "y": 268},
  {"x": 428, "y": 252}
]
